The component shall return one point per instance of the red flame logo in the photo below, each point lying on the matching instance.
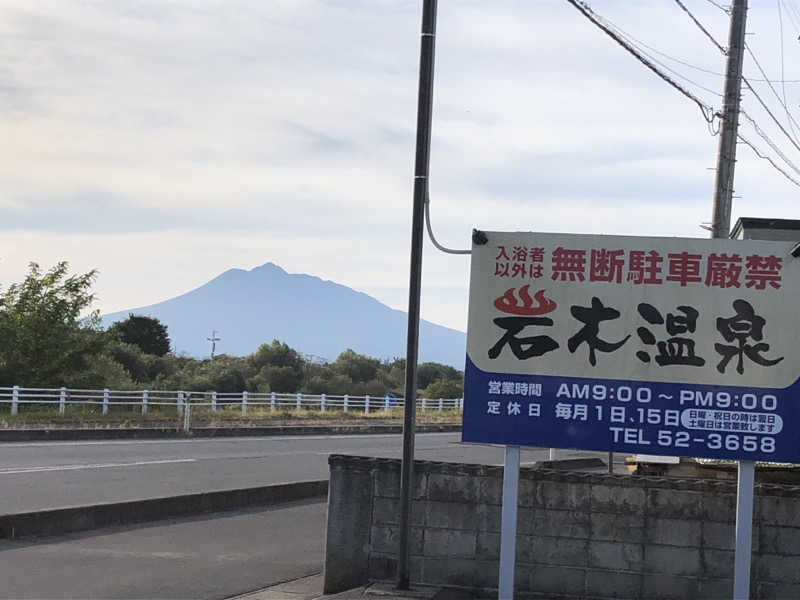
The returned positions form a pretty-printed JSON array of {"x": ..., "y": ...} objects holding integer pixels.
[{"x": 508, "y": 303}]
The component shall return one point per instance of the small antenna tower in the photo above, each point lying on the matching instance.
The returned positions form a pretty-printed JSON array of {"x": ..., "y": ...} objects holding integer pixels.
[{"x": 213, "y": 339}]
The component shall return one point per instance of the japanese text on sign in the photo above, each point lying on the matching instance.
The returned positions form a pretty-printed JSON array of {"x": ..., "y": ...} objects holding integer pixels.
[{"x": 633, "y": 344}]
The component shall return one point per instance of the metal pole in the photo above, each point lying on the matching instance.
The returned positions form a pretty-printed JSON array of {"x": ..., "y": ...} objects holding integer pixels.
[
  {"x": 421, "y": 170},
  {"x": 726, "y": 155},
  {"x": 508, "y": 524},
  {"x": 744, "y": 530},
  {"x": 720, "y": 228}
]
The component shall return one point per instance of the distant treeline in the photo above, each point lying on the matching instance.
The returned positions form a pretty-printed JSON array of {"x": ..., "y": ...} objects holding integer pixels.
[
  {"x": 276, "y": 367},
  {"x": 45, "y": 343}
]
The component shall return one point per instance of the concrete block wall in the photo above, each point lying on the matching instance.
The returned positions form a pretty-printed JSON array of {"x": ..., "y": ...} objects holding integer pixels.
[{"x": 579, "y": 535}]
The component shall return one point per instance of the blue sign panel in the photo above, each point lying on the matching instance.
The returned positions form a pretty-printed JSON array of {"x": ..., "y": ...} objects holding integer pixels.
[
  {"x": 680, "y": 361},
  {"x": 705, "y": 421}
]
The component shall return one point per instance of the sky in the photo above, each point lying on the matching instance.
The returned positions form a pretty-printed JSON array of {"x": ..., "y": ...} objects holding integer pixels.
[{"x": 162, "y": 142}]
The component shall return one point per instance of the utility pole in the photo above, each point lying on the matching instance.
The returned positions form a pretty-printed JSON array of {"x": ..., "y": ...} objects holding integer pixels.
[
  {"x": 720, "y": 228},
  {"x": 726, "y": 155},
  {"x": 213, "y": 339},
  {"x": 421, "y": 170}
]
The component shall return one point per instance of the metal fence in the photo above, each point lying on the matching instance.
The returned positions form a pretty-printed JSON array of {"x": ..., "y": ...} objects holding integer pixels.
[{"x": 144, "y": 400}]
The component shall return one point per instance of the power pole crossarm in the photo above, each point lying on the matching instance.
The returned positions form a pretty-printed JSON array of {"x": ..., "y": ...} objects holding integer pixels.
[
  {"x": 213, "y": 339},
  {"x": 726, "y": 156}
]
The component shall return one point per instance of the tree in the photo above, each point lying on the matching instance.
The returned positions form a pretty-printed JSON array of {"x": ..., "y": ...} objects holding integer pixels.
[
  {"x": 356, "y": 366},
  {"x": 278, "y": 368},
  {"x": 148, "y": 333},
  {"x": 429, "y": 372},
  {"x": 444, "y": 388},
  {"x": 45, "y": 342}
]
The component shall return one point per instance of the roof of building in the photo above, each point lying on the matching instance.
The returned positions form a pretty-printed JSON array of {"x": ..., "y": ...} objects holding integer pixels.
[{"x": 763, "y": 223}]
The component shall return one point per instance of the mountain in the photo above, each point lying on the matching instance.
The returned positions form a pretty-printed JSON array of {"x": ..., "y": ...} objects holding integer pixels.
[{"x": 313, "y": 316}]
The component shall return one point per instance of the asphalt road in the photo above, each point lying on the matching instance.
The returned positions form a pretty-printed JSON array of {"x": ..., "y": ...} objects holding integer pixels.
[
  {"x": 214, "y": 556},
  {"x": 40, "y": 475}
]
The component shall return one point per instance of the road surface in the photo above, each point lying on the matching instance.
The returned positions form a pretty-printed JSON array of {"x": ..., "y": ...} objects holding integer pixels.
[
  {"x": 213, "y": 556},
  {"x": 41, "y": 475}
]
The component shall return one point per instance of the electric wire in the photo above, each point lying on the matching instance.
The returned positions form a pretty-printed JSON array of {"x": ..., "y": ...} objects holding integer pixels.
[
  {"x": 783, "y": 85},
  {"x": 770, "y": 113},
  {"x": 430, "y": 230},
  {"x": 760, "y": 132},
  {"x": 702, "y": 69},
  {"x": 595, "y": 19},
  {"x": 700, "y": 25},
  {"x": 791, "y": 12},
  {"x": 664, "y": 54},
  {"x": 638, "y": 44},
  {"x": 771, "y": 87},
  {"x": 724, "y": 9},
  {"x": 707, "y": 112},
  {"x": 768, "y": 159}
]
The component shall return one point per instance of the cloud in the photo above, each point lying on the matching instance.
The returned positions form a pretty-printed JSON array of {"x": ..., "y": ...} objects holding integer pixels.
[{"x": 165, "y": 141}]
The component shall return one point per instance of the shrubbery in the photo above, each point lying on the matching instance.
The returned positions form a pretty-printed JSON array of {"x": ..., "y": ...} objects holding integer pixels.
[{"x": 44, "y": 342}]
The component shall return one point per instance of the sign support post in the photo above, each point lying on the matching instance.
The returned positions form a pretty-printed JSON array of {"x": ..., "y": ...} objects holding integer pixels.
[
  {"x": 421, "y": 170},
  {"x": 744, "y": 530},
  {"x": 508, "y": 523}
]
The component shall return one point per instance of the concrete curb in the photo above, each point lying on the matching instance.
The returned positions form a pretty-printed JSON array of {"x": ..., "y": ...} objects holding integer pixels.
[
  {"x": 94, "y": 516},
  {"x": 570, "y": 464},
  {"x": 36, "y": 435}
]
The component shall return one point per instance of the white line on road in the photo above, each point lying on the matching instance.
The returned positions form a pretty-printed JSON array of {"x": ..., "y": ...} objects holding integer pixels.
[
  {"x": 253, "y": 439},
  {"x": 15, "y": 470}
]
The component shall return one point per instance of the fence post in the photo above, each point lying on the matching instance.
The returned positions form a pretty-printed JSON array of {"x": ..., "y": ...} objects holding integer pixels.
[
  {"x": 366, "y": 404},
  {"x": 144, "y": 402},
  {"x": 322, "y": 403},
  {"x": 461, "y": 404},
  {"x": 299, "y": 402},
  {"x": 187, "y": 417},
  {"x": 386, "y": 402},
  {"x": 62, "y": 400},
  {"x": 441, "y": 402},
  {"x": 244, "y": 402},
  {"x": 14, "y": 399},
  {"x": 105, "y": 401},
  {"x": 272, "y": 401},
  {"x": 423, "y": 405},
  {"x": 346, "y": 398},
  {"x": 180, "y": 403},
  {"x": 213, "y": 401}
]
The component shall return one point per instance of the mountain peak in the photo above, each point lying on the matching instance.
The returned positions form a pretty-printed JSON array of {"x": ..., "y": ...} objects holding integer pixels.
[
  {"x": 269, "y": 267},
  {"x": 313, "y": 316}
]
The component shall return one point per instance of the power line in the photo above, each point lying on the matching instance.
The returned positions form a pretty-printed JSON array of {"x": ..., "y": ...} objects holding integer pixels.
[
  {"x": 760, "y": 132},
  {"x": 774, "y": 91},
  {"x": 783, "y": 85},
  {"x": 769, "y": 112},
  {"x": 701, "y": 69},
  {"x": 724, "y": 9},
  {"x": 707, "y": 111},
  {"x": 700, "y": 25},
  {"x": 638, "y": 44},
  {"x": 766, "y": 79},
  {"x": 768, "y": 159},
  {"x": 635, "y": 42},
  {"x": 794, "y": 16},
  {"x": 583, "y": 8}
]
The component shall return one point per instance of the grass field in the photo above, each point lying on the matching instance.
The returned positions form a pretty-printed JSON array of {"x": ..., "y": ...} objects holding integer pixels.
[{"x": 82, "y": 417}]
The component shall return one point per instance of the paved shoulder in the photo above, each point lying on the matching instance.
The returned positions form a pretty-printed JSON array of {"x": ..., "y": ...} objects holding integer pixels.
[{"x": 216, "y": 556}]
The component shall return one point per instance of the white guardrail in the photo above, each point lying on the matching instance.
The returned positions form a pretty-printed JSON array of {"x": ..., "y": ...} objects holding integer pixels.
[{"x": 17, "y": 396}]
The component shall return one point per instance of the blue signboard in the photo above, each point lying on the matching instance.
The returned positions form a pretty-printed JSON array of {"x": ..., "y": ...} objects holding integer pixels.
[{"x": 678, "y": 347}]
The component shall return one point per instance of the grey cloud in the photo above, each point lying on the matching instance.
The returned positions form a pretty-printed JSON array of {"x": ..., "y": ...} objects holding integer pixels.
[
  {"x": 101, "y": 212},
  {"x": 621, "y": 175}
]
